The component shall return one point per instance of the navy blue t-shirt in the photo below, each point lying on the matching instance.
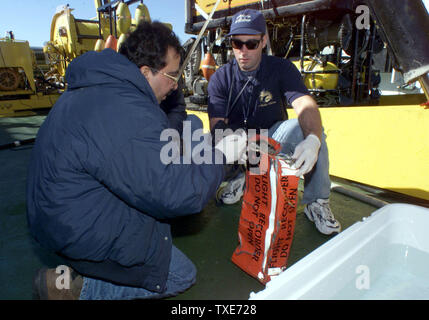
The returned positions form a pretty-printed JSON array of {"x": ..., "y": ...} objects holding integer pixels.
[{"x": 263, "y": 99}]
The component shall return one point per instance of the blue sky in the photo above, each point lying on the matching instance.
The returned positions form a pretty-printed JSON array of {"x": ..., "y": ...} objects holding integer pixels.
[{"x": 31, "y": 19}]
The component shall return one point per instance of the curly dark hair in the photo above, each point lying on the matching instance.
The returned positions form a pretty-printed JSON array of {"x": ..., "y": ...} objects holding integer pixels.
[{"x": 148, "y": 44}]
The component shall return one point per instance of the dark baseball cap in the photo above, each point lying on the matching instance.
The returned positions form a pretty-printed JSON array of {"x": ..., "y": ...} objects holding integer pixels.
[{"x": 247, "y": 21}]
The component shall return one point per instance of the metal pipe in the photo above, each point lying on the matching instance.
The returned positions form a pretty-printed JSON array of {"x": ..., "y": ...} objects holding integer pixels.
[
  {"x": 370, "y": 54},
  {"x": 99, "y": 25},
  {"x": 283, "y": 11},
  {"x": 110, "y": 19},
  {"x": 355, "y": 71},
  {"x": 322, "y": 72},
  {"x": 358, "y": 196},
  {"x": 301, "y": 53},
  {"x": 114, "y": 21},
  {"x": 424, "y": 82}
]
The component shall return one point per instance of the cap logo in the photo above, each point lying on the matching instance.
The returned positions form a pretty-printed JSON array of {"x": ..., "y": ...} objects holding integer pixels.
[
  {"x": 243, "y": 18},
  {"x": 247, "y": 22}
]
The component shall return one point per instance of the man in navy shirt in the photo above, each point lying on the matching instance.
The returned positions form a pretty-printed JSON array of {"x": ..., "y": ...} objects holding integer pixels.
[{"x": 252, "y": 92}]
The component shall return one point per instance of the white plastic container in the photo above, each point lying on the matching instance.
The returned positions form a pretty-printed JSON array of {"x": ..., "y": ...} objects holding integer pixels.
[{"x": 385, "y": 256}]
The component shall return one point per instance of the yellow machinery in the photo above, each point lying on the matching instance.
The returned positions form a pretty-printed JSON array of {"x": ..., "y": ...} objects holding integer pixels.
[
  {"x": 70, "y": 37},
  {"x": 23, "y": 87},
  {"x": 33, "y": 78},
  {"x": 333, "y": 43},
  {"x": 319, "y": 79},
  {"x": 343, "y": 49}
]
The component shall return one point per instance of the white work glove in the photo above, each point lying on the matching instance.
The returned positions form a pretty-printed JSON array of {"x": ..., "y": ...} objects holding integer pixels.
[
  {"x": 306, "y": 154},
  {"x": 233, "y": 146}
]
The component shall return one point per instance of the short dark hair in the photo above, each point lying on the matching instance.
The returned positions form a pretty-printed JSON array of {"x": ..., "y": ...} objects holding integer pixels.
[{"x": 148, "y": 44}]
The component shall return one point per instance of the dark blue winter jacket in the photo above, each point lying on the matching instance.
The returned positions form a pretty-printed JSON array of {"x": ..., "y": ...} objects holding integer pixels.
[{"x": 97, "y": 191}]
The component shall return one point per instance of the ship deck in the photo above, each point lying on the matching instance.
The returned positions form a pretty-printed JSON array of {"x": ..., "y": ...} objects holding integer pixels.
[{"x": 207, "y": 238}]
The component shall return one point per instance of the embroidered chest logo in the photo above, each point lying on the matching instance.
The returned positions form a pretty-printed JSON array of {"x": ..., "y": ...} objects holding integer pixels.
[{"x": 265, "y": 98}]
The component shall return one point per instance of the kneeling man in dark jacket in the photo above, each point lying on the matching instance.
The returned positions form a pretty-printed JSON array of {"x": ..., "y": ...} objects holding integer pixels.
[{"x": 98, "y": 192}]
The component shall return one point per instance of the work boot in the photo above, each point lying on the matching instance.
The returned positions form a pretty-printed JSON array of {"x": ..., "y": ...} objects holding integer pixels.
[
  {"x": 320, "y": 213},
  {"x": 50, "y": 285}
]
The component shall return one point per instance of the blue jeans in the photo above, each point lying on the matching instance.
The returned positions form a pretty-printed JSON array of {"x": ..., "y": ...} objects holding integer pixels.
[
  {"x": 317, "y": 184},
  {"x": 181, "y": 276}
]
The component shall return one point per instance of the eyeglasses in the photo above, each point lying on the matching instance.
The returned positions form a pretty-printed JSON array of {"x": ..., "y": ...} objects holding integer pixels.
[
  {"x": 175, "y": 78},
  {"x": 251, "y": 44}
]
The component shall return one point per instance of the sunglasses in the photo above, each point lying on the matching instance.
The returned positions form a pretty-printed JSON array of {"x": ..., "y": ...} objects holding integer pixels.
[
  {"x": 251, "y": 44},
  {"x": 174, "y": 77}
]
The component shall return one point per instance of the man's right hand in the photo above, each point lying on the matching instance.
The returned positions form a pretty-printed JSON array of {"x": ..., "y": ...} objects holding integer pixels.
[{"x": 233, "y": 146}]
